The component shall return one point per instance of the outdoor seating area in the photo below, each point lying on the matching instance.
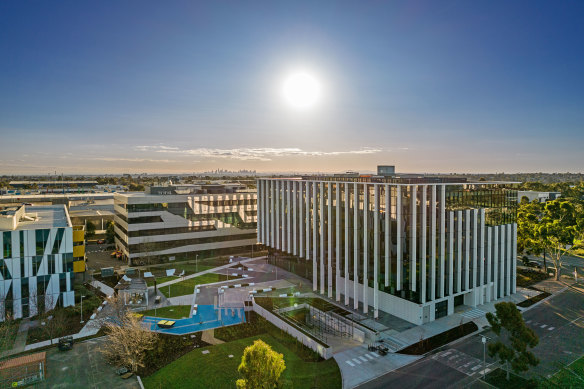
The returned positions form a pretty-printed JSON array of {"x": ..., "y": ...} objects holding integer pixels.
[{"x": 166, "y": 323}]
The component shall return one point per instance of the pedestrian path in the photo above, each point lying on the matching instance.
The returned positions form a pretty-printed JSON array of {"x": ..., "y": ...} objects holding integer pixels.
[
  {"x": 108, "y": 290},
  {"x": 473, "y": 313}
]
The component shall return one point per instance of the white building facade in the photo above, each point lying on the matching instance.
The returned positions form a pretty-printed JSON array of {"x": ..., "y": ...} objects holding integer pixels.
[
  {"x": 414, "y": 248},
  {"x": 181, "y": 226},
  {"x": 36, "y": 260}
]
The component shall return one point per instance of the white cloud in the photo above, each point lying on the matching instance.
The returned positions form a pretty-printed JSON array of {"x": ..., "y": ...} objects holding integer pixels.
[{"x": 259, "y": 153}]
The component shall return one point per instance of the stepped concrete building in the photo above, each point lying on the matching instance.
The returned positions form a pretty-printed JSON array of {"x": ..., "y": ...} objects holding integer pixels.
[
  {"x": 185, "y": 222},
  {"x": 414, "y": 247},
  {"x": 37, "y": 259}
]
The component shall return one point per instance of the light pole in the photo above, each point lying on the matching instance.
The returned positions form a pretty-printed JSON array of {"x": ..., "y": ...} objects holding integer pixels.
[
  {"x": 196, "y": 263},
  {"x": 82, "y": 310}
]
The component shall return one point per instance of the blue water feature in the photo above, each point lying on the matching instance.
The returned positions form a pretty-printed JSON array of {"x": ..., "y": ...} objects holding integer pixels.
[{"x": 207, "y": 317}]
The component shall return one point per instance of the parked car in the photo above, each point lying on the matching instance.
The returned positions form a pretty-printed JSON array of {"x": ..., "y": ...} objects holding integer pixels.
[{"x": 100, "y": 241}]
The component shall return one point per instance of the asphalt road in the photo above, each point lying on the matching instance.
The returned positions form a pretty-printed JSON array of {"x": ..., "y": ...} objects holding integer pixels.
[
  {"x": 568, "y": 263},
  {"x": 558, "y": 322}
]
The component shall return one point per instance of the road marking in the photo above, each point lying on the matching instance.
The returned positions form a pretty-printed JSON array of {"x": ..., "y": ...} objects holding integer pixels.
[
  {"x": 350, "y": 363},
  {"x": 369, "y": 356},
  {"x": 476, "y": 367},
  {"x": 528, "y": 321},
  {"x": 363, "y": 359},
  {"x": 358, "y": 362},
  {"x": 551, "y": 328},
  {"x": 374, "y": 354},
  {"x": 544, "y": 326}
]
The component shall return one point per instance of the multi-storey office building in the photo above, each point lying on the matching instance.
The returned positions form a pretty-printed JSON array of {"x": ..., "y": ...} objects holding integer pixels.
[
  {"x": 182, "y": 222},
  {"x": 38, "y": 247},
  {"x": 412, "y": 247}
]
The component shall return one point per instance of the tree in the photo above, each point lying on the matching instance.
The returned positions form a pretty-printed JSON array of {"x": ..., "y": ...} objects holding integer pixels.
[
  {"x": 558, "y": 231},
  {"x": 128, "y": 342},
  {"x": 110, "y": 233},
  {"x": 89, "y": 229},
  {"x": 515, "y": 354},
  {"x": 53, "y": 322},
  {"x": 260, "y": 367}
]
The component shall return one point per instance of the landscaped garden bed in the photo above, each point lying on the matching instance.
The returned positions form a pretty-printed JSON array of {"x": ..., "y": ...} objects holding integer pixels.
[
  {"x": 535, "y": 299},
  {"x": 171, "y": 312},
  {"x": 528, "y": 277},
  {"x": 429, "y": 344},
  {"x": 498, "y": 379},
  {"x": 168, "y": 349},
  {"x": 188, "y": 286}
]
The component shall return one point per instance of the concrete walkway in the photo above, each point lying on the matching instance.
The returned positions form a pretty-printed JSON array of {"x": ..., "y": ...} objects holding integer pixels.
[
  {"x": 108, "y": 290},
  {"x": 208, "y": 336},
  {"x": 213, "y": 270}
]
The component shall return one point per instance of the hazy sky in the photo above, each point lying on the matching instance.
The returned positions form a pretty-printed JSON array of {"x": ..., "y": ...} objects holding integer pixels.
[{"x": 187, "y": 86}]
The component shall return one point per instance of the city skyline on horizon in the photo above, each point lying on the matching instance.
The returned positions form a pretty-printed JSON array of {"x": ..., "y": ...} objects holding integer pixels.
[{"x": 435, "y": 88}]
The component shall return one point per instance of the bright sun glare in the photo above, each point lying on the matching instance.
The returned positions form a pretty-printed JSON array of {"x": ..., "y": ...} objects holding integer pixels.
[{"x": 301, "y": 90}]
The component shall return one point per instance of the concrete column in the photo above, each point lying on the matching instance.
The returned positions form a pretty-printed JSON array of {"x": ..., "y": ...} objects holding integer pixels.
[
  {"x": 433, "y": 242},
  {"x": 399, "y": 258},
  {"x": 442, "y": 238},
  {"x": 355, "y": 246},
  {"x": 413, "y": 238},
  {"x": 289, "y": 210},
  {"x": 273, "y": 213},
  {"x": 388, "y": 245},
  {"x": 347, "y": 253},
  {"x": 321, "y": 220},
  {"x": 423, "y": 248},
  {"x": 508, "y": 258},
  {"x": 489, "y": 244},
  {"x": 308, "y": 222},
  {"x": 514, "y": 260},
  {"x": 481, "y": 258},
  {"x": 338, "y": 241},
  {"x": 496, "y": 263},
  {"x": 376, "y": 212},
  {"x": 315, "y": 234},
  {"x": 459, "y": 254},
  {"x": 260, "y": 210},
  {"x": 284, "y": 209},
  {"x": 502, "y": 264},
  {"x": 301, "y": 219},
  {"x": 467, "y": 244},
  {"x": 451, "y": 253},
  {"x": 474, "y": 251},
  {"x": 365, "y": 248},
  {"x": 294, "y": 218},
  {"x": 329, "y": 245},
  {"x": 278, "y": 226}
]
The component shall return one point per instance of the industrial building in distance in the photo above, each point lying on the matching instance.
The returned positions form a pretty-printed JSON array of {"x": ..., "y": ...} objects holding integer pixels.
[
  {"x": 177, "y": 222},
  {"x": 412, "y": 246}
]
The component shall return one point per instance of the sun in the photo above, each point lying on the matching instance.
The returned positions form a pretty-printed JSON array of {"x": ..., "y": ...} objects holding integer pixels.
[{"x": 301, "y": 90}]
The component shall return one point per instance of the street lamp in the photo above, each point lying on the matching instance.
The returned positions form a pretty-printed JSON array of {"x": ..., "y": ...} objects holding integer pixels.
[
  {"x": 82, "y": 310},
  {"x": 196, "y": 263}
]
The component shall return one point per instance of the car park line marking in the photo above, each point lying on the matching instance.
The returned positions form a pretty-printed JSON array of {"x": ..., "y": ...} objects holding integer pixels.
[
  {"x": 551, "y": 328},
  {"x": 544, "y": 326},
  {"x": 350, "y": 363},
  {"x": 476, "y": 367}
]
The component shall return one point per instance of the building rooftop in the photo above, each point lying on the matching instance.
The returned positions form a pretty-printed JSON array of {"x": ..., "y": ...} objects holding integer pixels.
[{"x": 24, "y": 217}]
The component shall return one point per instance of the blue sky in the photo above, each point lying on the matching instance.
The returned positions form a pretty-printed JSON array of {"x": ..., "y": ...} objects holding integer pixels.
[{"x": 185, "y": 86}]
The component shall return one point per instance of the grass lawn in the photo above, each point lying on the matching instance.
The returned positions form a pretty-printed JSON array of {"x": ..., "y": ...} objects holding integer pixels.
[
  {"x": 172, "y": 312},
  {"x": 188, "y": 286},
  {"x": 570, "y": 377},
  {"x": 217, "y": 370},
  {"x": 8, "y": 331}
]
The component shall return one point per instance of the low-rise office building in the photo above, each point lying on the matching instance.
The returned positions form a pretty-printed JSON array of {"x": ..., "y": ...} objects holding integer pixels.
[
  {"x": 414, "y": 247},
  {"x": 186, "y": 221},
  {"x": 38, "y": 247}
]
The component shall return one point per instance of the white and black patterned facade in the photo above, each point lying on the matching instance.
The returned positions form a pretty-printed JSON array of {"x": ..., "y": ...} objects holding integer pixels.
[
  {"x": 36, "y": 260},
  {"x": 414, "y": 248}
]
